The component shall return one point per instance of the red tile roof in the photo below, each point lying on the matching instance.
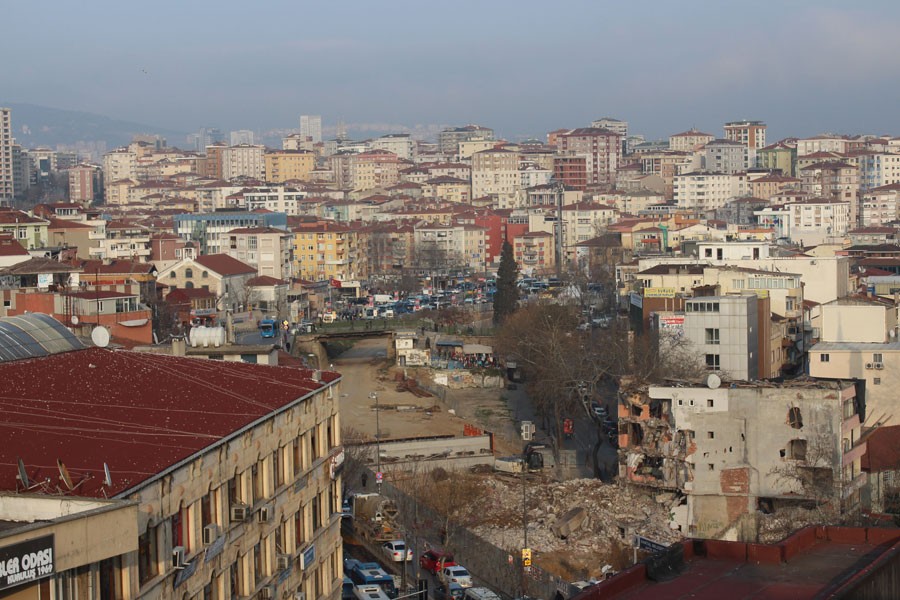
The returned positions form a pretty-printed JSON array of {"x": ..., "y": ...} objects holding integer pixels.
[
  {"x": 224, "y": 264},
  {"x": 264, "y": 281},
  {"x": 138, "y": 413},
  {"x": 12, "y": 248}
]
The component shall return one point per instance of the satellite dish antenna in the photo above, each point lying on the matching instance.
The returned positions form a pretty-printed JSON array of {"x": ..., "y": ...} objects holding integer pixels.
[
  {"x": 100, "y": 336},
  {"x": 64, "y": 474},
  {"x": 107, "y": 478},
  {"x": 713, "y": 381},
  {"x": 74, "y": 319},
  {"x": 23, "y": 475}
]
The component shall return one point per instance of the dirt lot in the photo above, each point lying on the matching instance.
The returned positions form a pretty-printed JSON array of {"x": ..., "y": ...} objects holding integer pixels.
[{"x": 365, "y": 369}]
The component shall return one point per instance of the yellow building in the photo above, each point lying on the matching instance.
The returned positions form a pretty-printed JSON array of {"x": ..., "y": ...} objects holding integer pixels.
[
  {"x": 285, "y": 165},
  {"x": 328, "y": 251}
]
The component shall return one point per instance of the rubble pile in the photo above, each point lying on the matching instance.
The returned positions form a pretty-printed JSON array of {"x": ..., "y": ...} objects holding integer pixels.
[{"x": 612, "y": 513}]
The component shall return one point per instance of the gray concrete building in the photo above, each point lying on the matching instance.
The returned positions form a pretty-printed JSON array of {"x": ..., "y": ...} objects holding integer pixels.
[{"x": 723, "y": 330}]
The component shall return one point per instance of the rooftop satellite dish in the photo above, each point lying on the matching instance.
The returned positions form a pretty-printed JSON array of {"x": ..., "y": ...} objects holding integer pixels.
[
  {"x": 64, "y": 474},
  {"x": 107, "y": 478},
  {"x": 100, "y": 336},
  {"x": 713, "y": 381},
  {"x": 23, "y": 475},
  {"x": 74, "y": 319}
]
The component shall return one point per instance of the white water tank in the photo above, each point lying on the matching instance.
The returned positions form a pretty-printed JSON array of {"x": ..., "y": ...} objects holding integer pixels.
[{"x": 206, "y": 336}]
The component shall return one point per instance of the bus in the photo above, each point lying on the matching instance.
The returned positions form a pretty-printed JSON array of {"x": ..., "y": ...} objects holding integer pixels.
[
  {"x": 371, "y": 573},
  {"x": 267, "y": 328}
]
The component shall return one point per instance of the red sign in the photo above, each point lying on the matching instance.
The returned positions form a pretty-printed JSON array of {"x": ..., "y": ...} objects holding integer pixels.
[
  {"x": 335, "y": 283},
  {"x": 568, "y": 426}
]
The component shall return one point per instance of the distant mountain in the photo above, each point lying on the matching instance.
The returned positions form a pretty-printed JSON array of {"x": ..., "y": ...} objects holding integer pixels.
[{"x": 35, "y": 125}]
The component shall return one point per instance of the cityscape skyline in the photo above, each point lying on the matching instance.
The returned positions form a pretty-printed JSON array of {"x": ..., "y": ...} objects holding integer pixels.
[{"x": 801, "y": 68}]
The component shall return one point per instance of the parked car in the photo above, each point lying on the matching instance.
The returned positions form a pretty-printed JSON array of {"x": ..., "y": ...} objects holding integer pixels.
[
  {"x": 396, "y": 549},
  {"x": 454, "y": 591},
  {"x": 435, "y": 560},
  {"x": 456, "y": 574},
  {"x": 480, "y": 593},
  {"x": 598, "y": 410}
]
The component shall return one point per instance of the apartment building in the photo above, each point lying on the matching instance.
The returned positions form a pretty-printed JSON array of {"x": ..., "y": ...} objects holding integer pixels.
[
  {"x": 751, "y": 134},
  {"x": 7, "y": 188},
  {"x": 281, "y": 199},
  {"x": 373, "y": 169},
  {"x": 822, "y": 143},
  {"x": 602, "y": 147},
  {"x": 722, "y": 330},
  {"x": 209, "y": 231},
  {"x": 449, "y": 139},
  {"x": 689, "y": 141},
  {"x": 400, "y": 144},
  {"x": 328, "y": 251},
  {"x": 725, "y": 156},
  {"x": 85, "y": 184},
  {"x": 571, "y": 171},
  {"x": 769, "y": 185},
  {"x": 780, "y": 156},
  {"x": 735, "y": 449},
  {"x": 121, "y": 240},
  {"x": 29, "y": 231},
  {"x": 833, "y": 179},
  {"x": 227, "y": 504},
  {"x": 495, "y": 173},
  {"x": 880, "y": 206},
  {"x": 876, "y": 169},
  {"x": 535, "y": 252},
  {"x": 443, "y": 248},
  {"x": 451, "y": 189},
  {"x": 266, "y": 249},
  {"x": 286, "y": 165},
  {"x": 704, "y": 191},
  {"x": 245, "y": 160}
]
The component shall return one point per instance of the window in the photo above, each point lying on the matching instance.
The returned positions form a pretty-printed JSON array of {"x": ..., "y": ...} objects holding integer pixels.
[
  {"x": 188, "y": 273},
  {"x": 316, "y": 513},
  {"x": 824, "y": 358},
  {"x": 876, "y": 381},
  {"x": 711, "y": 435},
  {"x": 709, "y": 403},
  {"x": 877, "y": 357},
  {"x": 204, "y": 274},
  {"x": 795, "y": 419},
  {"x": 173, "y": 275},
  {"x": 234, "y": 580},
  {"x": 148, "y": 567},
  {"x": 277, "y": 468},
  {"x": 712, "y": 336},
  {"x": 710, "y": 467},
  {"x": 298, "y": 465},
  {"x": 712, "y": 362},
  {"x": 797, "y": 449}
]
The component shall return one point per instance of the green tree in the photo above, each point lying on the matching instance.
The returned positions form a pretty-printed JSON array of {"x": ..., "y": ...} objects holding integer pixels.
[{"x": 506, "y": 298}]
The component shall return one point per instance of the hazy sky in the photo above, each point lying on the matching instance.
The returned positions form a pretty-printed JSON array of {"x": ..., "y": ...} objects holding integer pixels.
[{"x": 521, "y": 67}]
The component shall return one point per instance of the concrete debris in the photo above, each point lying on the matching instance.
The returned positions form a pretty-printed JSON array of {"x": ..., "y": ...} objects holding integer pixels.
[{"x": 602, "y": 518}]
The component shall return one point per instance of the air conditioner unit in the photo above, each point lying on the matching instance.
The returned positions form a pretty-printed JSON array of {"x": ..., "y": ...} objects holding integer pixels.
[
  {"x": 879, "y": 366},
  {"x": 239, "y": 512},
  {"x": 210, "y": 533},
  {"x": 266, "y": 593},
  {"x": 300, "y": 596},
  {"x": 870, "y": 365},
  {"x": 265, "y": 513},
  {"x": 283, "y": 562},
  {"x": 178, "y": 557}
]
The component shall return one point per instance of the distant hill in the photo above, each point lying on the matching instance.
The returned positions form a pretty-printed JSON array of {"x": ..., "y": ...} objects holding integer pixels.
[{"x": 35, "y": 125}]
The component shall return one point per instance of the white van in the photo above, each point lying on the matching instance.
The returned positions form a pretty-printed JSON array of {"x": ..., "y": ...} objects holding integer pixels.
[{"x": 480, "y": 593}]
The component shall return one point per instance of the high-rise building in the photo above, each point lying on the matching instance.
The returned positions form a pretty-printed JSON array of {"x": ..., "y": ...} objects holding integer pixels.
[
  {"x": 311, "y": 127},
  {"x": 449, "y": 139},
  {"x": 242, "y": 136},
  {"x": 207, "y": 136},
  {"x": 7, "y": 189},
  {"x": 750, "y": 133},
  {"x": 603, "y": 148}
]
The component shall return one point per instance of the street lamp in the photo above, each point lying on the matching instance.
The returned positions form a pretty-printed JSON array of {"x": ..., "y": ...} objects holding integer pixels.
[{"x": 374, "y": 396}]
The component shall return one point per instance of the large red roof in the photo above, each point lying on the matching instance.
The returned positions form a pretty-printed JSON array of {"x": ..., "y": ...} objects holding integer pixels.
[
  {"x": 138, "y": 413},
  {"x": 224, "y": 264}
]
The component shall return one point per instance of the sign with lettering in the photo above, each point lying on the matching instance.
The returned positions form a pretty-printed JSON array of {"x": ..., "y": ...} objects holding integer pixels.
[
  {"x": 308, "y": 557},
  {"x": 659, "y": 292},
  {"x": 26, "y": 562},
  {"x": 642, "y": 543}
]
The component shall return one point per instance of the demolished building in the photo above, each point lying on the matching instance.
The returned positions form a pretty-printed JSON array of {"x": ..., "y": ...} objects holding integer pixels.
[{"x": 731, "y": 452}]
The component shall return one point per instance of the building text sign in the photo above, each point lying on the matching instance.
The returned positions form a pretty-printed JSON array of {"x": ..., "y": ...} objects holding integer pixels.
[{"x": 26, "y": 561}]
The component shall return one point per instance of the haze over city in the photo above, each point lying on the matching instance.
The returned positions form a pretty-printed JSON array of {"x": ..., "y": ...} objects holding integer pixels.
[{"x": 524, "y": 68}]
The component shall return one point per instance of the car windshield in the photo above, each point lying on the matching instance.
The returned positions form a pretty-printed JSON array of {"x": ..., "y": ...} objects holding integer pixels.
[{"x": 458, "y": 572}]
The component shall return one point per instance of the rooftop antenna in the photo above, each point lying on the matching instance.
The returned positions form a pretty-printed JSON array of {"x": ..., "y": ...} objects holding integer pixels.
[
  {"x": 107, "y": 478},
  {"x": 64, "y": 474}
]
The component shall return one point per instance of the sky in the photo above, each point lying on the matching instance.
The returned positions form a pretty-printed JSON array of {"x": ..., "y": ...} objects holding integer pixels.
[{"x": 521, "y": 67}]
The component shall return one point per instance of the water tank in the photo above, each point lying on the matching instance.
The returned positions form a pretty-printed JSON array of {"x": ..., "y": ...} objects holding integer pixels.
[{"x": 206, "y": 336}]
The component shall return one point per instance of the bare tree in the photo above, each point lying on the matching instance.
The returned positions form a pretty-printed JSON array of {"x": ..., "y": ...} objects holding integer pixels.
[{"x": 358, "y": 454}]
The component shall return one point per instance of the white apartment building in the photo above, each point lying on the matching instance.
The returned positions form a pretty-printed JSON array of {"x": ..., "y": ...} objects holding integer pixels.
[
  {"x": 267, "y": 249},
  {"x": 821, "y": 143},
  {"x": 118, "y": 165},
  {"x": 750, "y": 133},
  {"x": 808, "y": 222},
  {"x": 450, "y": 247},
  {"x": 531, "y": 175},
  {"x": 688, "y": 141},
  {"x": 879, "y": 206},
  {"x": 614, "y": 125},
  {"x": 496, "y": 173},
  {"x": 470, "y": 147},
  {"x": 703, "y": 191},
  {"x": 7, "y": 186},
  {"x": 877, "y": 169},
  {"x": 274, "y": 198},
  {"x": 722, "y": 330},
  {"x": 242, "y": 136},
  {"x": 245, "y": 160},
  {"x": 397, "y": 143}
]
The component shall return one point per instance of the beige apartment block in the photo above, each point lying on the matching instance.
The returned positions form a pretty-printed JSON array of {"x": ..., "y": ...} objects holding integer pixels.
[{"x": 286, "y": 165}]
